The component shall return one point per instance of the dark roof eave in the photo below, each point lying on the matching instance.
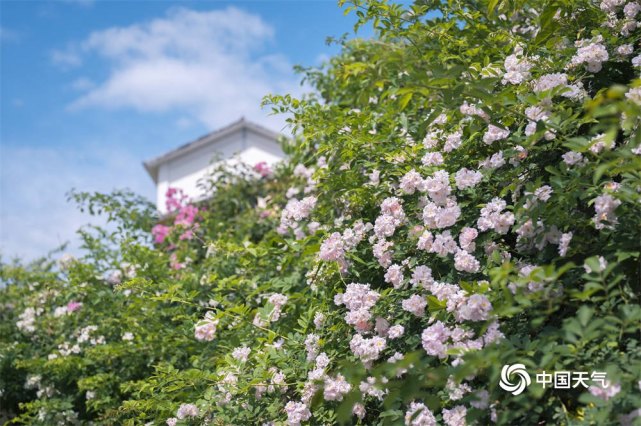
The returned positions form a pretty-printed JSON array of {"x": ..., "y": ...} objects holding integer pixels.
[{"x": 152, "y": 165}]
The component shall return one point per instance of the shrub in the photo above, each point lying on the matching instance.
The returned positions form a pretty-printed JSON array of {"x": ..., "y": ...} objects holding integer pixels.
[{"x": 463, "y": 194}]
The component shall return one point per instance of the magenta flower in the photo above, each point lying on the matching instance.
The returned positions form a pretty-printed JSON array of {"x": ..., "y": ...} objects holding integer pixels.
[
  {"x": 263, "y": 169},
  {"x": 160, "y": 232},
  {"x": 187, "y": 235},
  {"x": 174, "y": 198},
  {"x": 73, "y": 306},
  {"x": 174, "y": 263},
  {"x": 186, "y": 215}
]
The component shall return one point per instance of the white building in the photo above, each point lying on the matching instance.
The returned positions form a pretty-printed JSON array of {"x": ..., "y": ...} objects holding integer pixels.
[{"x": 185, "y": 166}]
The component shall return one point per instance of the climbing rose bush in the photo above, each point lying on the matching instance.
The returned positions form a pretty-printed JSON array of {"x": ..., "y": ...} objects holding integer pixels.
[{"x": 463, "y": 193}]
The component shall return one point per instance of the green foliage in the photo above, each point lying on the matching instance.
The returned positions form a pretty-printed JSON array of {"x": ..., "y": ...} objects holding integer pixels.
[{"x": 257, "y": 272}]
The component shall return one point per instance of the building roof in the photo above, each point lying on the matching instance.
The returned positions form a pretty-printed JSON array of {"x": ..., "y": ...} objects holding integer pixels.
[{"x": 152, "y": 165}]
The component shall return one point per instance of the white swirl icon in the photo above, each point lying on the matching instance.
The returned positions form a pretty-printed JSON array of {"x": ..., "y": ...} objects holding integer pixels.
[{"x": 518, "y": 370}]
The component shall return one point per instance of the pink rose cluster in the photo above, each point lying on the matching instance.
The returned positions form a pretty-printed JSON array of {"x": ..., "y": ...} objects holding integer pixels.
[
  {"x": 358, "y": 299},
  {"x": 206, "y": 328},
  {"x": 185, "y": 217},
  {"x": 263, "y": 169}
]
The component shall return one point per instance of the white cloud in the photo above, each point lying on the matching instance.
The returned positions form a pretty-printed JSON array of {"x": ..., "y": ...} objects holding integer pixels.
[
  {"x": 82, "y": 84},
  {"x": 208, "y": 65},
  {"x": 184, "y": 122},
  {"x": 66, "y": 58},
  {"x": 35, "y": 216}
]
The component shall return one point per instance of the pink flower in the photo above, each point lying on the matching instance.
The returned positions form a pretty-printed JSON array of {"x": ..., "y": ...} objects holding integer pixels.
[
  {"x": 174, "y": 263},
  {"x": 604, "y": 206},
  {"x": 205, "y": 329},
  {"x": 419, "y": 415},
  {"x": 263, "y": 169},
  {"x": 367, "y": 349},
  {"x": 160, "y": 232},
  {"x": 411, "y": 181},
  {"x": 394, "y": 276},
  {"x": 605, "y": 390},
  {"x": 395, "y": 331},
  {"x": 73, "y": 306},
  {"x": 297, "y": 412},
  {"x": 465, "y": 262},
  {"x": 174, "y": 198},
  {"x": 332, "y": 248},
  {"x": 186, "y": 215},
  {"x": 476, "y": 308},
  {"x": 466, "y": 239},
  {"x": 336, "y": 388},
  {"x": 422, "y": 276},
  {"x": 415, "y": 304},
  {"x": 187, "y": 235},
  {"x": 187, "y": 410},
  {"x": 495, "y": 133},
  {"x": 434, "y": 339},
  {"x": 455, "y": 416}
]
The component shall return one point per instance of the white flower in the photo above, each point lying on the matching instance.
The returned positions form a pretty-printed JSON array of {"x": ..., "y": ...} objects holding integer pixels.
[
  {"x": 477, "y": 307},
  {"x": 543, "y": 193},
  {"x": 592, "y": 54},
  {"x": 319, "y": 319},
  {"x": 495, "y": 133},
  {"x": 467, "y": 178},
  {"x": 422, "y": 276},
  {"x": 205, "y": 329},
  {"x": 455, "y": 416},
  {"x": 411, "y": 181},
  {"x": 332, "y": 248},
  {"x": 465, "y": 262},
  {"x": 517, "y": 68},
  {"x": 335, "y": 388},
  {"x": 415, "y": 304},
  {"x": 604, "y": 206},
  {"x": 625, "y": 49},
  {"x": 634, "y": 95},
  {"x": 631, "y": 10},
  {"x": 571, "y": 158},
  {"x": 419, "y": 415},
  {"x": 453, "y": 141},
  {"x": 367, "y": 349},
  {"x": 492, "y": 217},
  {"x": 564, "y": 243},
  {"x": 394, "y": 276},
  {"x": 374, "y": 177},
  {"x": 432, "y": 159},
  {"x": 395, "y": 331},
  {"x": 297, "y": 412},
  {"x": 359, "y": 410},
  {"x": 322, "y": 360},
  {"x": 549, "y": 82},
  {"x": 187, "y": 410},
  {"x": 241, "y": 353},
  {"x": 66, "y": 261}
]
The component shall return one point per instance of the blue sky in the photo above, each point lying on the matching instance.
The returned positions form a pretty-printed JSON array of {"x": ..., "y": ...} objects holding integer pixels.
[{"x": 90, "y": 89}]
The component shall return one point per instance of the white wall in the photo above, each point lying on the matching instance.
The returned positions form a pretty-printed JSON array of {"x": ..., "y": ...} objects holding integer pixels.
[{"x": 185, "y": 171}]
